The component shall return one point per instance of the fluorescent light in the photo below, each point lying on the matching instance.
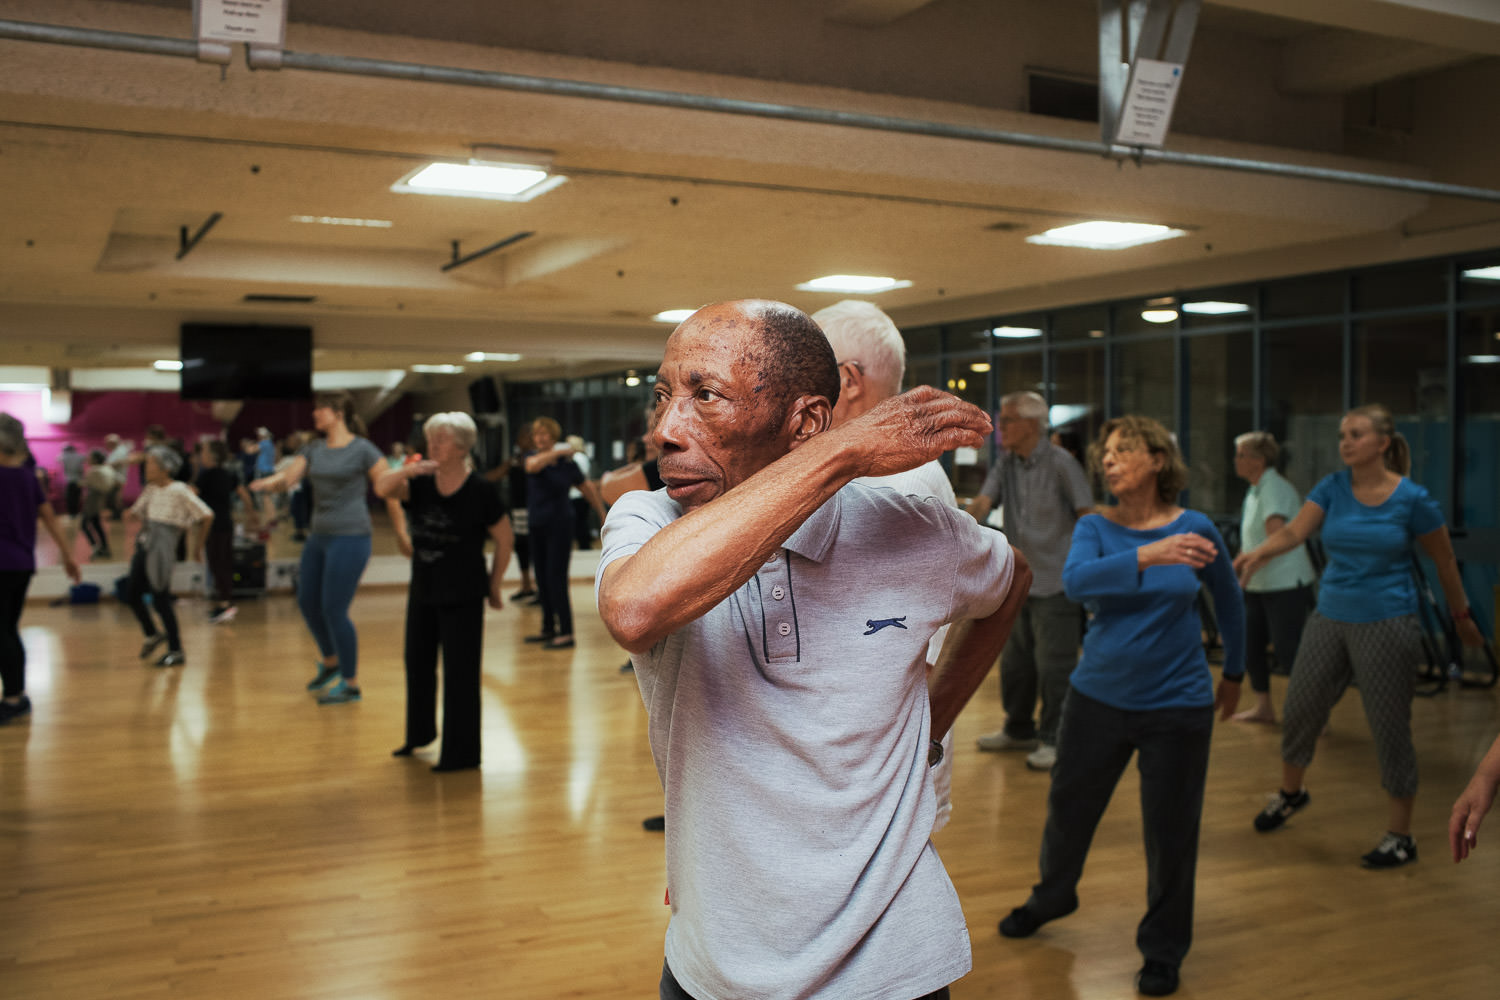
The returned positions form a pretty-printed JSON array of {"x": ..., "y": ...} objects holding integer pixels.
[
  {"x": 1214, "y": 308},
  {"x": 632, "y": 380},
  {"x": 480, "y": 179},
  {"x": 1158, "y": 315},
  {"x": 437, "y": 369},
  {"x": 1482, "y": 359},
  {"x": 980, "y": 366},
  {"x": 490, "y": 356},
  {"x": 673, "y": 315},
  {"x": 1015, "y": 332},
  {"x": 167, "y": 366},
  {"x": 1483, "y": 273},
  {"x": 852, "y": 284},
  {"x": 1100, "y": 234},
  {"x": 334, "y": 220}
]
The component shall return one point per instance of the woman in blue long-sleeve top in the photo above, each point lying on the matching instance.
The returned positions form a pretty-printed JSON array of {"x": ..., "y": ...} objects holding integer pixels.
[{"x": 1141, "y": 687}]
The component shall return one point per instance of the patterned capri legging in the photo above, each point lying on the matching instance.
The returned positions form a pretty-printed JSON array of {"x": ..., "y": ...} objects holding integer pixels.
[{"x": 1382, "y": 658}]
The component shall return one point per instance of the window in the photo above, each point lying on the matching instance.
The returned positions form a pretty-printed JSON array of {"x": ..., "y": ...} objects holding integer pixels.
[
  {"x": 1304, "y": 398},
  {"x": 1420, "y": 284},
  {"x": 1320, "y": 295},
  {"x": 1145, "y": 379},
  {"x": 1403, "y": 364},
  {"x": 1078, "y": 395},
  {"x": 1220, "y": 407}
]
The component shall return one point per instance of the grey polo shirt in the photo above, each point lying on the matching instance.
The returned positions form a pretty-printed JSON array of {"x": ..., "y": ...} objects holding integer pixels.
[
  {"x": 1042, "y": 495},
  {"x": 789, "y": 726}
]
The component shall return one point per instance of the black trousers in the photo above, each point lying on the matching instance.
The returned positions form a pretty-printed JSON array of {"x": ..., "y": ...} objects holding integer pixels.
[
  {"x": 458, "y": 631},
  {"x": 551, "y": 547},
  {"x": 1094, "y": 744},
  {"x": 136, "y": 590},
  {"x": 1277, "y": 617},
  {"x": 13, "y": 584},
  {"x": 670, "y": 989},
  {"x": 219, "y": 548}
]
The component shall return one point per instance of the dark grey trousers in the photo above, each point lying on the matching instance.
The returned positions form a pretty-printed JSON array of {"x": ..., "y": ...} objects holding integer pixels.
[{"x": 1037, "y": 660}]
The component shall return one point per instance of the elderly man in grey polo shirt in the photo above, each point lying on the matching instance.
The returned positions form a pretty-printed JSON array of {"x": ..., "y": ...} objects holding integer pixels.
[
  {"x": 778, "y": 615},
  {"x": 1043, "y": 492}
]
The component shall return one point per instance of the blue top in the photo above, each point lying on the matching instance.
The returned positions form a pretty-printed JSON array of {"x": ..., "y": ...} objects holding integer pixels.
[
  {"x": 1144, "y": 647},
  {"x": 1368, "y": 577},
  {"x": 547, "y": 492}
]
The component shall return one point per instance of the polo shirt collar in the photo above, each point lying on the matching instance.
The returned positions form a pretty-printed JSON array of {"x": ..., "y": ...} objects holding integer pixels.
[{"x": 815, "y": 537}]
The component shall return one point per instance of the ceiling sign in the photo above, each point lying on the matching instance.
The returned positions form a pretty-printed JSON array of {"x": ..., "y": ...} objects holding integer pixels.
[
  {"x": 1146, "y": 112},
  {"x": 255, "y": 22}
]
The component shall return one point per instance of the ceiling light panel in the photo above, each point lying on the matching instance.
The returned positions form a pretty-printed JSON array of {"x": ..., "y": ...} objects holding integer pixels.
[
  {"x": 853, "y": 284},
  {"x": 495, "y": 181},
  {"x": 1101, "y": 234}
]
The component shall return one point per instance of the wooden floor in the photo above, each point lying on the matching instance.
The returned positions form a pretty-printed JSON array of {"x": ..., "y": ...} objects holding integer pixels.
[{"x": 210, "y": 831}]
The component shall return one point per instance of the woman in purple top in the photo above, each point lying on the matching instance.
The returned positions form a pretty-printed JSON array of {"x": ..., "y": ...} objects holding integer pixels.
[
  {"x": 21, "y": 503},
  {"x": 1365, "y": 626}
]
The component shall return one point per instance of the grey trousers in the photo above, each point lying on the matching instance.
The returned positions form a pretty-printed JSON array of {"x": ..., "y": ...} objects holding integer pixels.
[
  {"x": 1038, "y": 660},
  {"x": 1381, "y": 657}
]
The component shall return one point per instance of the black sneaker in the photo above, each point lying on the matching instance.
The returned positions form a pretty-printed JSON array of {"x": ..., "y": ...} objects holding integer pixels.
[
  {"x": 151, "y": 644},
  {"x": 1280, "y": 809},
  {"x": 326, "y": 676},
  {"x": 1156, "y": 979},
  {"x": 171, "y": 658},
  {"x": 1023, "y": 921},
  {"x": 1393, "y": 851},
  {"x": 14, "y": 709}
]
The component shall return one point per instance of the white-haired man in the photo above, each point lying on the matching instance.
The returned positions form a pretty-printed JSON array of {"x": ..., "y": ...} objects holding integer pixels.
[
  {"x": 1043, "y": 492},
  {"x": 872, "y": 363}
]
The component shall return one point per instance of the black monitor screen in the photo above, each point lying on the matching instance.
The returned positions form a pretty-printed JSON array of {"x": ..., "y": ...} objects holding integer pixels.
[{"x": 225, "y": 361}]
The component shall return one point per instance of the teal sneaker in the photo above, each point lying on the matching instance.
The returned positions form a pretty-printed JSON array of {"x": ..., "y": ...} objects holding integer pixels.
[
  {"x": 338, "y": 694},
  {"x": 326, "y": 676}
]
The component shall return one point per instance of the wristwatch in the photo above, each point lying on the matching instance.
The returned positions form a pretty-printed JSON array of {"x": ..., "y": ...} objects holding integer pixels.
[{"x": 934, "y": 753}]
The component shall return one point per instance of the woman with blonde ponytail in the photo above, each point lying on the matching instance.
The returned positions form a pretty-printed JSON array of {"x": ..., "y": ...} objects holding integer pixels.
[
  {"x": 1365, "y": 626},
  {"x": 341, "y": 466}
]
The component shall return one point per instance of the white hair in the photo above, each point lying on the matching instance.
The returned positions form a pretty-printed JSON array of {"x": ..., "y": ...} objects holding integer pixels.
[
  {"x": 1029, "y": 405},
  {"x": 457, "y": 423},
  {"x": 858, "y": 331}
]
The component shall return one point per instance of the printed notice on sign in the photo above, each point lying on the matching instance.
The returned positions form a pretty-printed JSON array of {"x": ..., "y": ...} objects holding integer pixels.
[
  {"x": 253, "y": 21},
  {"x": 1147, "y": 112}
]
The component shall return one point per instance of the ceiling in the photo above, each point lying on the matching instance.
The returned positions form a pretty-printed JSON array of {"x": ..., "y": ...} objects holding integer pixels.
[{"x": 107, "y": 157}]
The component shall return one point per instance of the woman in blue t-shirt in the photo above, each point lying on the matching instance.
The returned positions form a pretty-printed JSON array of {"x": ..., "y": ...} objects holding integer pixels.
[
  {"x": 1365, "y": 626},
  {"x": 1142, "y": 687}
]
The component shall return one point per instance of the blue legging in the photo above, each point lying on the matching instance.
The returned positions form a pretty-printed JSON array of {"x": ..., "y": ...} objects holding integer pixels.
[{"x": 328, "y": 577}]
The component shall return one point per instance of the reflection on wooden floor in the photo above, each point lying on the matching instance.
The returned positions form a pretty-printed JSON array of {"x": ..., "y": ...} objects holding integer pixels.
[{"x": 209, "y": 831}]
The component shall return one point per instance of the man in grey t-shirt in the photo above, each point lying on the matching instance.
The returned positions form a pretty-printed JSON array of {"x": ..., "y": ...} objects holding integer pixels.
[
  {"x": 1043, "y": 492},
  {"x": 778, "y": 615}
]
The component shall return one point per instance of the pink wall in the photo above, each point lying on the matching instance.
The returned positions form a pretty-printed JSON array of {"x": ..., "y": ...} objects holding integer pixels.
[{"x": 128, "y": 414}]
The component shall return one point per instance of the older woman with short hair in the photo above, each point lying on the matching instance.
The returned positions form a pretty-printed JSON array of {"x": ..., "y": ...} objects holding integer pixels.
[
  {"x": 1141, "y": 687},
  {"x": 450, "y": 512},
  {"x": 1279, "y": 597}
]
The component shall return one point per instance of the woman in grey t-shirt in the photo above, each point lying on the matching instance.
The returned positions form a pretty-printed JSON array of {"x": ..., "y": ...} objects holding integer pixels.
[{"x": 340, "y": 466}]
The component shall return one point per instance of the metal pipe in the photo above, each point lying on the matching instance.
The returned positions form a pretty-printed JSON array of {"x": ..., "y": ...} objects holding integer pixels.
[
  {"x": 454, "y": 76},
  {"x": 458, "y": 261}
]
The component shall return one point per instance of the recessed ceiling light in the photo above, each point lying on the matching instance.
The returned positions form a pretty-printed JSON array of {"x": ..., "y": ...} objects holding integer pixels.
[
  {"x": 980, "y": 366},
  {"x": 1483, "y": 273},
  {"x": 1015, "y": 332},
  {"x": 1101, "y": 234},
  {"x": 167, "y": 366},
  {"x": 673, "y": 315},
  {"x": 489, "y": 356},
  {"x": 1158, "y": 315},
  {"x": 1096, "y": 334},
  {"x": 334, "y": 220},
  {"x": 481, "y": 179},
  {"x": 437, "y": 369},
  {"x": 852, "y": 284},
  {"x": 1482, "y": 359},
  {"x": 1214, "y": 308}
]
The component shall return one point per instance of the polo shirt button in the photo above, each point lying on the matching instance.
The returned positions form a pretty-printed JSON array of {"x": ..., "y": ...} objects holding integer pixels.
[
  {"x": 778, "y": 593},
  {"x": 770, "y": 559},
  {"x": 784, "y": 628}
]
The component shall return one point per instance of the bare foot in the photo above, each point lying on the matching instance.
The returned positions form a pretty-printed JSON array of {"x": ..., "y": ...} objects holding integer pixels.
[{"x": 1255, "y": 715}]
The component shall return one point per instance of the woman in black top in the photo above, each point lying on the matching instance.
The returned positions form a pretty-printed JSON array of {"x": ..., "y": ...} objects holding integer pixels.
[
  {"x": 450, "y": 510},
  {"x": 216, "y": 485}
]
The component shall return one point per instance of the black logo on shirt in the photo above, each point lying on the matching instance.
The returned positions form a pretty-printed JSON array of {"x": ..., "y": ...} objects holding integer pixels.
[{"x": 876, "y": 624}]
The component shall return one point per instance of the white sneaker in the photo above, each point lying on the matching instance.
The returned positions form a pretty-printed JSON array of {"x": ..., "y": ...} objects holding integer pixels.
[
  {"x": 225, "y": 615},
  {"x": 1002, "y": 740},
  {"x": 1042, "y": 758}
]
